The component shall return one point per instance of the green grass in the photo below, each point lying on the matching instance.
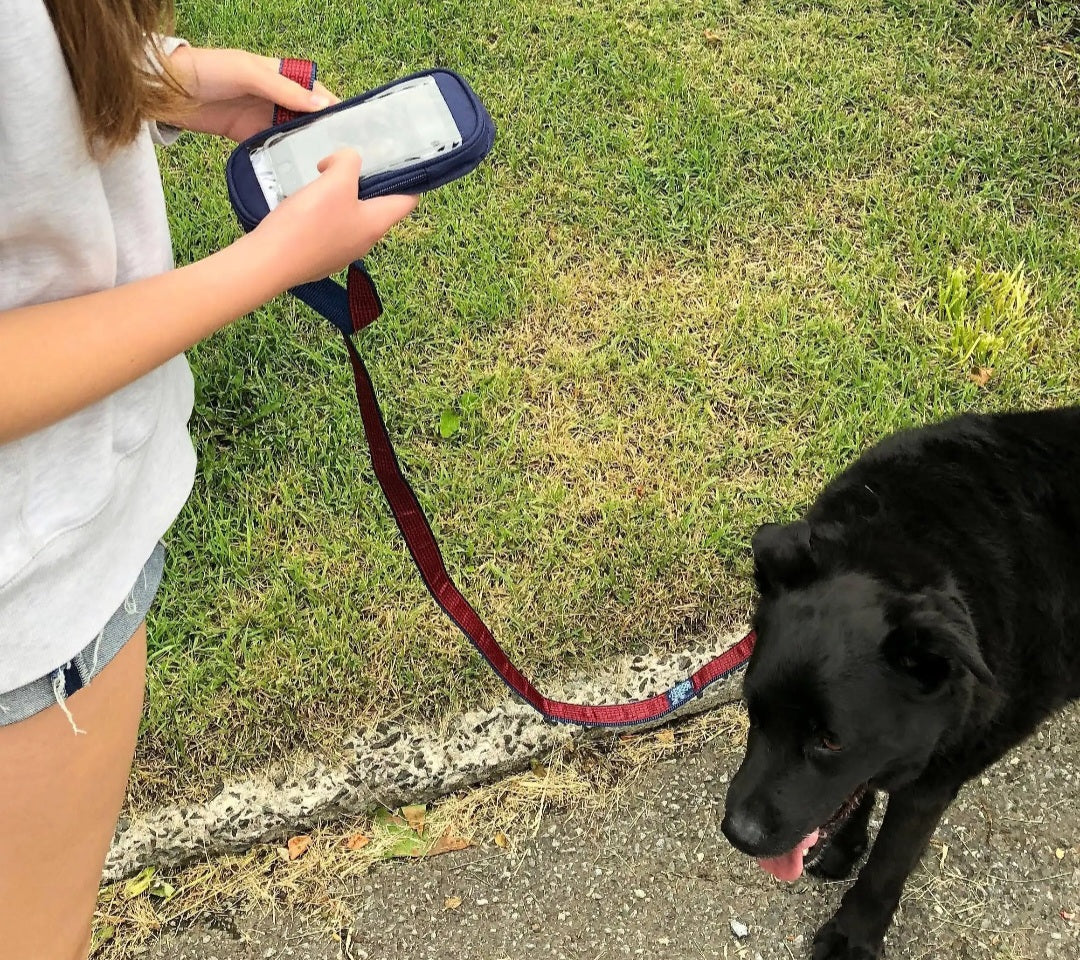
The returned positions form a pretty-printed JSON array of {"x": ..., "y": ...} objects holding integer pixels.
[{"x": 718, "y": 249}]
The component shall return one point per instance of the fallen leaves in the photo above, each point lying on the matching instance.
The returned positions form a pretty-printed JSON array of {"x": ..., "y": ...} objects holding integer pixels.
[
  {"x": 451, "y": 903},
  {"x": 713, "y": 36},
  {"x": 392, "y": 834},
  {"x": 146, "y": 882},
  {"x": 162, "y": 889},
  {"x": 298, "y": 846},
  {"x": 980, "y": 376},
  {"x": 357, "y": 841},
  {"x": 414, "y": 816},
  {"x": 408, "y": 835},
  {"x": 139, "y": 884},
  {"x": 449, "y": 842},
  {"x": 101, "y": 936},
  {"x": 403, "y": 840}
]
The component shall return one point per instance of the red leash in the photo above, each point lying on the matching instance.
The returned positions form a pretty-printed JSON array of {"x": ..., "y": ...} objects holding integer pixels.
[
  {"x": 354, "y": 308},
  {"x": 350, "y": 310}
]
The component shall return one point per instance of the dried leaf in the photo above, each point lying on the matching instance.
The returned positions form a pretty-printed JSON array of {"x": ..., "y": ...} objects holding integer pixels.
[
  {"x": 538, "y": 769},
  {"x": 357, "y": 841},
  {"x": 449, "y": 842},
  {"x": 502, "y": 841},
  {"x": 1059, "y": 853},
  {"x": 981, "y": 376},
  {"x": 451, "y": 903},
  {"x": 666, "y": 737},
  {"x": 414, "y": 817},
  {"x": 713, "y": 36},
  {"x": 298, "y": 846}
]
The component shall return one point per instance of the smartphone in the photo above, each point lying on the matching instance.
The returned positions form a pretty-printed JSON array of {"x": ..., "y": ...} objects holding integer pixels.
[{"x": 409, "y": 123}]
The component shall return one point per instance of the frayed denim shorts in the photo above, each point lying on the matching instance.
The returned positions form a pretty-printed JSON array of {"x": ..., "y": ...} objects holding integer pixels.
[{"x": 68, "y": 679}]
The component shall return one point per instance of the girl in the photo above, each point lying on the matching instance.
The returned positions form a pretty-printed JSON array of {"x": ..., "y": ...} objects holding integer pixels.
[{"x": 95, "y": 394}]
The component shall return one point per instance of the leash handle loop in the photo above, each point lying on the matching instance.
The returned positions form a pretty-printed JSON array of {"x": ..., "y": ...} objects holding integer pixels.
[{"x": 302, "y": 72}]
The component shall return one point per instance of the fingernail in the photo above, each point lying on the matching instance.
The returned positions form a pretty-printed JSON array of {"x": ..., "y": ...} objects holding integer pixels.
[{"x": 319, "y": 102}]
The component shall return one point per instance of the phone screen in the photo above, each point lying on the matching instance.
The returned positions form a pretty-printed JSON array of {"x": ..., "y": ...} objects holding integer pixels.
[{"x": 406, "y": 124}]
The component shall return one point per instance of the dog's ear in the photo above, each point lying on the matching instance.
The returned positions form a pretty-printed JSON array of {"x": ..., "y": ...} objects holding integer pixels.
[
  {"x": 934, "y": 638},
  {"x": 783, "y": 555}
]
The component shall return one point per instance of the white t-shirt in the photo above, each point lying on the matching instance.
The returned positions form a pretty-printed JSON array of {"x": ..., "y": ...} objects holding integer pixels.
[{"x": 82, "y": 502}]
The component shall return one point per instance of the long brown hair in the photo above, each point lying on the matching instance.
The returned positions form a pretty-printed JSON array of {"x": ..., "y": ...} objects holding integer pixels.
[{"x": 107, "y": 45}]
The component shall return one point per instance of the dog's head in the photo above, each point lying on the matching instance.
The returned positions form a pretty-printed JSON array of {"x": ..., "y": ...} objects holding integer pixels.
[{"x": 855, "y": 681}]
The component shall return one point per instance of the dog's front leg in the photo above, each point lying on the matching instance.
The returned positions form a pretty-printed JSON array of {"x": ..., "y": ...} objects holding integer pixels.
[{"x": 858, "y": 927}]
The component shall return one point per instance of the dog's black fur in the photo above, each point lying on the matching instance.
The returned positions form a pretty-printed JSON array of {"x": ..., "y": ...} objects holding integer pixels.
[{"x": 920, "y": 621}]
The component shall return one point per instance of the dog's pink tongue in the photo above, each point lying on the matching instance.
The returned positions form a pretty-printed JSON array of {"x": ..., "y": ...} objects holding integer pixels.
[{"x": 789, "y": 867}]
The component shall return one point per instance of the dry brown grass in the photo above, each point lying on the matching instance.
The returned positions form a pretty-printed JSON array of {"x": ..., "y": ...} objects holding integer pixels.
[{"x": 582, "y": 779}]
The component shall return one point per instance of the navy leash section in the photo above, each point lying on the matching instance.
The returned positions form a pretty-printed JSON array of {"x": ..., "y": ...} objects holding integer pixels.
[{"x": 350, "y": 309}]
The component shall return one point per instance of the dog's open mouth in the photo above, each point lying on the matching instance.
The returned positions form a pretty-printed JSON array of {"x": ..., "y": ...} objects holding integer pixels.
[{"x": 789, "y": 866}]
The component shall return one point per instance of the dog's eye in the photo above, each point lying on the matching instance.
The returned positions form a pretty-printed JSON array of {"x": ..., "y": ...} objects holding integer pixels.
[{"x": 827, "y": 741}]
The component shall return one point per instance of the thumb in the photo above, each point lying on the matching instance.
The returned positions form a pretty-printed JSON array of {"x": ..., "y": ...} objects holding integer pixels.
[
  {"x": 383, "y": 212},
  {"x": 347, "y": 160},
  {"x": 279, "y": 89}
]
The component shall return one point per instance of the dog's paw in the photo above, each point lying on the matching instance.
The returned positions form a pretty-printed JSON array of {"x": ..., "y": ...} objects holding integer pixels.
[
  {"x": 838, "y": 860},
  {"x": 834, "y": 943}
]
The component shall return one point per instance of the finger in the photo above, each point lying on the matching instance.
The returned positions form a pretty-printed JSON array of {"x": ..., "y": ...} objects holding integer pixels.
[
  {"x": 269, "y": 84},
  {"x": 383, "y": 212},
  {"x": 347, "y": 161},
  {"x": 323, "y": 92}
]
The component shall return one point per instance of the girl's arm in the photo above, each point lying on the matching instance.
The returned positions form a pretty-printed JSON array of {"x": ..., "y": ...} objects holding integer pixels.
[{"x": 56, "y": 358}]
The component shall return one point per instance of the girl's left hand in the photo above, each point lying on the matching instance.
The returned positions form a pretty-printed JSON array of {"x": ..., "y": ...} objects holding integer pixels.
[{"x": 233, "y": 93}]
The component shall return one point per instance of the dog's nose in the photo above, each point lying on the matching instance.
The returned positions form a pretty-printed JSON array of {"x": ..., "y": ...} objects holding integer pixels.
[{"x": 744, "y": 831}]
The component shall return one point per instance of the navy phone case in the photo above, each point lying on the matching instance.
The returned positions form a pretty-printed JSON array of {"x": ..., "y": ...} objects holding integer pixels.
[{"x": 473, "y": 121}]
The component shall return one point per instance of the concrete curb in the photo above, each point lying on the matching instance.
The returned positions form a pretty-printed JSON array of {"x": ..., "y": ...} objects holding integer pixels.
[{"x": 393, "y": 767}]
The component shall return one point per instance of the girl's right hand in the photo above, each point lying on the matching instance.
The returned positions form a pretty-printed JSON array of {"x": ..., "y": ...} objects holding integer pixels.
[{"x": 324, "y": 227}]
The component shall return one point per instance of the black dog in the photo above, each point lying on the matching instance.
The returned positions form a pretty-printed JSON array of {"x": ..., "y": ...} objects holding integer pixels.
[{"x": 920, "y": 622}]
